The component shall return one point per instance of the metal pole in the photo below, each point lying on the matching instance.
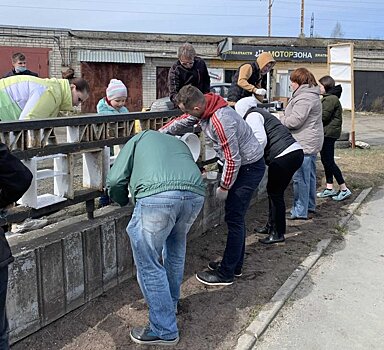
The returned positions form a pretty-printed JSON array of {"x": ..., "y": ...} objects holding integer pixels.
[
  {"x": 302, "y": 19},
  {"x": 269, "y": 86},
  {"x": 353, "y": 135},
  {"x": 269, "y": 17}
]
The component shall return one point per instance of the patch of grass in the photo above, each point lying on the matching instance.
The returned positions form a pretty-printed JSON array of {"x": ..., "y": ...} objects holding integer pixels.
[
  {"x": 341, "y": 230},
  {"x": 362, "y": 168},
  {"x": 254, "y": 312}
]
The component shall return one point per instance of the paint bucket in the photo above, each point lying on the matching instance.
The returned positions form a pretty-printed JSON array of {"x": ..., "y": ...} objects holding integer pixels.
[
  {"x": 193, "y": 143},
  {"x": 211, "y": 175}
]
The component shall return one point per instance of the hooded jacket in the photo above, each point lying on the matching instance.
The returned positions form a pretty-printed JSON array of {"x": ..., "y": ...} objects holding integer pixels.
[
  {"x": 332, "y": 114},
  {"x": 232, "y": 137},
  {"x": 152, "y": 163},
  {"x": 303, "y": 118},
  {"x": 27, "y": 97},
  {"x": 196, "y": 76},
  {"x": 103, "y": 107},
  {"x": 244, "y": 82},
  {"x": 248, "y": 78},
  {"x": 15, "y": 179}
]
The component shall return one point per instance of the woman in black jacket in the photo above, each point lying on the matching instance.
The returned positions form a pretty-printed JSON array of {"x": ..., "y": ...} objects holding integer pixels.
[
  {"x": 332, "y": 121},
  {"x": 283, "y": 155}
]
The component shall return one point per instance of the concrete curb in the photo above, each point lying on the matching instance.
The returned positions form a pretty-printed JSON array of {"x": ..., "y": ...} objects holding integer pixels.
[{"x": 250, "y": 336}]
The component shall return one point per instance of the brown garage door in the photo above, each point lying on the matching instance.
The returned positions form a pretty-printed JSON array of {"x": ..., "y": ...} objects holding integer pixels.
[
  {"x": 162, "y": 82},
  {"x": 98, "y": 76},
  {"x": 37, "y": 59}
]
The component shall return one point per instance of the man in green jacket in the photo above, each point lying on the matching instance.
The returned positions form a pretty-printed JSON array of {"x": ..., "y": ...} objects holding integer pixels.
[{"x": 168, "y": 191}]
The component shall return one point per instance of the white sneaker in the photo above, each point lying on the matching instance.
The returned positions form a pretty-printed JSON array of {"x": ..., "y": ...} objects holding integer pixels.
[
  {"x": 326, "y": 193},
  {"x": 342, "y": 195}
]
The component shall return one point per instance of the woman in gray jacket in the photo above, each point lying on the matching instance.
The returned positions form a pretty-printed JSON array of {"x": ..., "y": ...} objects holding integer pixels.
[{"x": 303, "y": 118}]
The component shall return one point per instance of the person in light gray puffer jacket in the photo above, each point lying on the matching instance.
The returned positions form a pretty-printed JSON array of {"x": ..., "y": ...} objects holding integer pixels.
[{"x": 303, "y": 117}]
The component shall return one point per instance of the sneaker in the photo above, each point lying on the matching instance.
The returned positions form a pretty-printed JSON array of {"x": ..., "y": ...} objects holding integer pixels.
[
  {"x": 213, "y": 265},
  {"x": 326, "y": 193},
  {"x": 144, "y": 336},
  {"x": 213, "y": 278},
  {"x": 342, "y": 195}
]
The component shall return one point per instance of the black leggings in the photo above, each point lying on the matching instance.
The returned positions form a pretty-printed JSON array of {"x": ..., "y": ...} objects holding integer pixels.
[
  {"x": 280, "y": 172},
  {"x": 328, "y": 159}
]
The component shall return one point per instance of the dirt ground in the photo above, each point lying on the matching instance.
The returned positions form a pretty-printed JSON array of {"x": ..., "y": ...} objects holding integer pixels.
[{"x": 210, "y": 317}]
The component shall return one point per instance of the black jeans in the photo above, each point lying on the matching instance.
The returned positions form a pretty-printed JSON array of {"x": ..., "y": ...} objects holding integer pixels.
[
  {"x": 3, "y": 316},
  {"x": 280, "y": 172},
  {"x": 236, "y": 205},
  {"x": 331, "y": 169}
]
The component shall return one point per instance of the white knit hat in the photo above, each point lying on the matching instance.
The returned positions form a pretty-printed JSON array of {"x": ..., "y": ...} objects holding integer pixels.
[{"x": 116, "y": 89}]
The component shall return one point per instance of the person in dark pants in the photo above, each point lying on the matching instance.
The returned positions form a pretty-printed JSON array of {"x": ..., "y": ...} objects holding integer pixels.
[
  {"x": 283, "y": 155},
  {"x": 332, "y": 120},
  {"x": 243, "y": 169},
  {"x": 15, "y": 179}
]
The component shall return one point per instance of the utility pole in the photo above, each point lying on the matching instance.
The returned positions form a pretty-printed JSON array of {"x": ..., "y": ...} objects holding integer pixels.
[
  {"x": 302, "y": 19},
  {"x": 312, "y": 24},
  {"x": 269, "y": 17}
]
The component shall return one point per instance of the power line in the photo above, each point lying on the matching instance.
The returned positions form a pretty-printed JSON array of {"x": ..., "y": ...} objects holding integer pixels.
[{"x": 379, "y": 21}]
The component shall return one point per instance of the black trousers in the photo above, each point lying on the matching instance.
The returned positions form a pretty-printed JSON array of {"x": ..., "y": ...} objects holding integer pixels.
[
  {"x": 236, "y": 206},
  {"x": 331, "y": 169},
  {"x": 4, "y": 345},
  {"x": 280, "y": 172}
]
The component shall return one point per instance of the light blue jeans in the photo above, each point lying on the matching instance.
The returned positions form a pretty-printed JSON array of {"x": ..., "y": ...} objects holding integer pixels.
[
  {"x": 158, "y": 233},
  {"x": 304, "y": 187}
]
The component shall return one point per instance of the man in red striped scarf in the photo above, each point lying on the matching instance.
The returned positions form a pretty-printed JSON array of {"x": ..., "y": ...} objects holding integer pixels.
[{"x": 242, "y": 156}]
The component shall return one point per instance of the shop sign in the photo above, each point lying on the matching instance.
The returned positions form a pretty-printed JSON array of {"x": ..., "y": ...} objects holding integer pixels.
[{"x": 280, "y": 53}]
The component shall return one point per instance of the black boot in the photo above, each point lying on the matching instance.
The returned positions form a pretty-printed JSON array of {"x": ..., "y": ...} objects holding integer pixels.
[
  {"x": 273, "y": 237},
  {"x": 266, "y": 230}
]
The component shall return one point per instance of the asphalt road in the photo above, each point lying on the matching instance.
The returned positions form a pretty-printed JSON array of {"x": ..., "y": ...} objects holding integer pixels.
[
  {"x": 339, "y": 305},
  {"x": 368, "y": 127}
]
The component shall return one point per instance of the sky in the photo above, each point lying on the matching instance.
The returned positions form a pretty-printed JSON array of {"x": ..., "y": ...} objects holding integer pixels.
[{"x": 357, "y": 19}]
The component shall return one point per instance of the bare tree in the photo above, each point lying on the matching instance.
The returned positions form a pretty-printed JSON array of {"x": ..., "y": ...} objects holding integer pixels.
[{"x": 337, "y": 32}]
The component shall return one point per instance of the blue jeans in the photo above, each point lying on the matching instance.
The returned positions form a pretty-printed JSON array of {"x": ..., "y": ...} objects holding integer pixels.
[
  {"x": 236, "y": 206},
  {"x": 158, "y": 234},
  {"x": 3, "y": 315},
  {"x": 304, "y": 187}
]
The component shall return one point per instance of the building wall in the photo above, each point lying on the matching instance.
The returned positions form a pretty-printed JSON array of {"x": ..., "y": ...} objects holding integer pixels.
[
  {"x": 38, "y": 38},
  {"x": 161, "y": 50}
]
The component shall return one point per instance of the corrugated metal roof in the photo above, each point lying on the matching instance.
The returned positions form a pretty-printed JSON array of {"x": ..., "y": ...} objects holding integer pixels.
[{"x": 111, "y": 56}]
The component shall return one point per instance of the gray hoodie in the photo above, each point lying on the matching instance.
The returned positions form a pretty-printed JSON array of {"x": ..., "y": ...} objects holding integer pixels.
[{"x": 232, "y": 139}]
